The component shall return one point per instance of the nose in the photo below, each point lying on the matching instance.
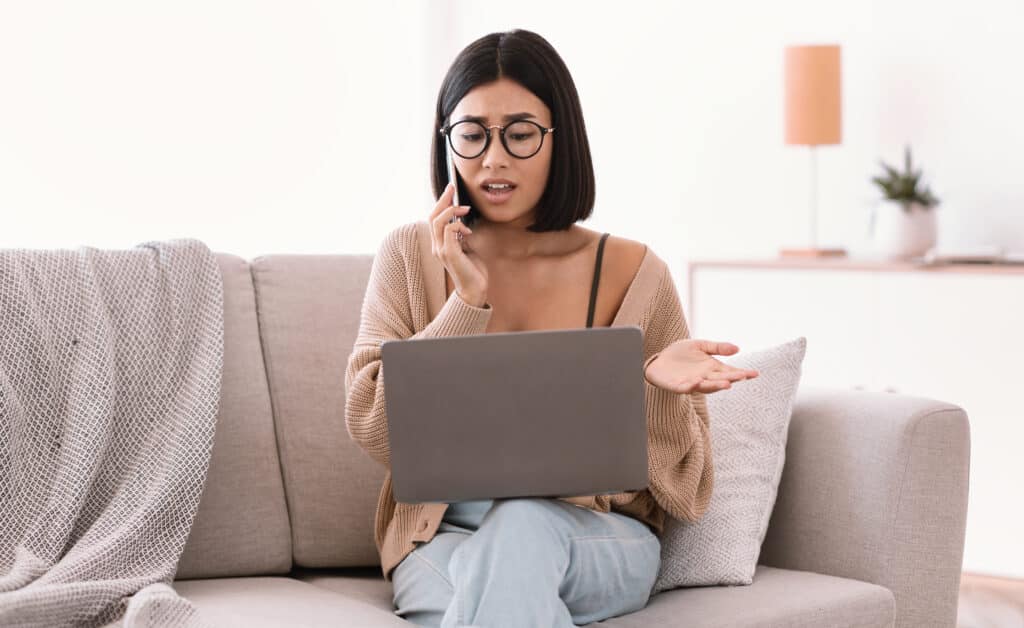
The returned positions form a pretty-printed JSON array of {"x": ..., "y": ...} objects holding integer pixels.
[{"x": 495, "y": 156}]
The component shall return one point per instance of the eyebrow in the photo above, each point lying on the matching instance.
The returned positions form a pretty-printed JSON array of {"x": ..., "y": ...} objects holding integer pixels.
[{"x": 506, "y": 118}]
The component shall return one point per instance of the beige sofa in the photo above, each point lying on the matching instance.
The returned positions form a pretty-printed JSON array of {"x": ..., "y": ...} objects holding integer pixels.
[{"x": 867, "y": 531}]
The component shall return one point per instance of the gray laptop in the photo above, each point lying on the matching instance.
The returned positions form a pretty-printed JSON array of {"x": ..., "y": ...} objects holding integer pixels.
[{"x": 550, "y": 413}]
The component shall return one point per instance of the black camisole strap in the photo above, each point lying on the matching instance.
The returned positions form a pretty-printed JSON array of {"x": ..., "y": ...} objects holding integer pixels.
[{"x": 597, "y": 279}]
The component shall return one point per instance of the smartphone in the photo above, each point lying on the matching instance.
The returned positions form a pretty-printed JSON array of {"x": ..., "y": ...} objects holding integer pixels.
[{"x": 453, "y": 177}]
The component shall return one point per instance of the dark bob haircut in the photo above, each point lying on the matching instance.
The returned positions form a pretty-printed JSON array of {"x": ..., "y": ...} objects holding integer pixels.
[{"x": 528, "y": 59}]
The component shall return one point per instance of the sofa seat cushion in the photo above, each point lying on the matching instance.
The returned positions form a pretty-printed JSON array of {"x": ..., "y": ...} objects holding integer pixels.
[
  {"x": 363, "y": 584},
  {"x": 279, "y": 601},
  {"x": 777, "y": 597}
]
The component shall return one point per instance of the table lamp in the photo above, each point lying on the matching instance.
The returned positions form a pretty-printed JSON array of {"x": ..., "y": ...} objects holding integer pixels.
[{"x": 813, "y": 118}]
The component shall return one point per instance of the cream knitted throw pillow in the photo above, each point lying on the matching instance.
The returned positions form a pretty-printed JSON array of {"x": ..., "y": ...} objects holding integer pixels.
[{"x": 749, "y": 425}]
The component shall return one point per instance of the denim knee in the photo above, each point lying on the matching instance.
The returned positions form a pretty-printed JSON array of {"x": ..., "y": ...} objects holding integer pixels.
[{"x": 518, "y": 508}]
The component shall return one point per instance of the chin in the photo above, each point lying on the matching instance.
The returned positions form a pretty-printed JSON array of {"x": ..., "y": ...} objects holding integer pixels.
[
  {"x": 503, "y": 215},
  {"x": 504, "y": 212}
]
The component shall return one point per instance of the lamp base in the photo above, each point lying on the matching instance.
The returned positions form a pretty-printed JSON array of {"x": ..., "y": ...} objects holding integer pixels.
[{"x": 812, "y": 253}]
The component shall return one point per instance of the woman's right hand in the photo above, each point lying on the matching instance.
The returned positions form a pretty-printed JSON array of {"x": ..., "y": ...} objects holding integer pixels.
[{"x": 468, "y": 271}]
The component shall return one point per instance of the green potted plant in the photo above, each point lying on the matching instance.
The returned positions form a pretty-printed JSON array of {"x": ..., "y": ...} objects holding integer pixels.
[{"x": 903, "y": 224}]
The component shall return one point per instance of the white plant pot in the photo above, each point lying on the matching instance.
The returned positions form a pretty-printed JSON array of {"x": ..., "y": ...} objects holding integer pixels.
[{"x": 899, "y": 233}]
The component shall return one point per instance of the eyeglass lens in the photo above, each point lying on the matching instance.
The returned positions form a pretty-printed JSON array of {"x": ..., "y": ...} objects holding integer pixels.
[{"x": 469, "y": 138}]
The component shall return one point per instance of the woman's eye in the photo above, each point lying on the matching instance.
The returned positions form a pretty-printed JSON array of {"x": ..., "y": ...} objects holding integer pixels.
[
  {"x": 472, "y": 137},
  {"x": 521, "y": 137}
]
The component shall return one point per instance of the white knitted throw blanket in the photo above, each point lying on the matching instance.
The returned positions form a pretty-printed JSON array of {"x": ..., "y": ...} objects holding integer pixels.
[{"x": 110, "y": 372}]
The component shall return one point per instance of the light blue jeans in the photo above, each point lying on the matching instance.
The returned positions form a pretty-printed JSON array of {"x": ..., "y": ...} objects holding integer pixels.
[{"x": 527, "y": 562}]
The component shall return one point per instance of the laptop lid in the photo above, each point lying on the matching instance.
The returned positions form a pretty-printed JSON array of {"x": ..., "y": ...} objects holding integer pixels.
[{"x": 549, "y": 413}]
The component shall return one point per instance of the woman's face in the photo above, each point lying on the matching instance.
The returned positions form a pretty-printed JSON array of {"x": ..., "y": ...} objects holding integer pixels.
[{"x": 499, "y": 103}]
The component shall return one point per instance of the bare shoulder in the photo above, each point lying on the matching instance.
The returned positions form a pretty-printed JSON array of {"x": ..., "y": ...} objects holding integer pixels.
[{"x": 622, "y": 258}]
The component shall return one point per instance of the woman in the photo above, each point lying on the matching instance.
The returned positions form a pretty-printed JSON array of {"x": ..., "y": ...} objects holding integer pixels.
[{"x": 518, "y": 261}]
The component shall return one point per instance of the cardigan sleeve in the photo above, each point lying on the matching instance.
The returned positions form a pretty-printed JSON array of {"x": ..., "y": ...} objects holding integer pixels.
[
  {"x": 680, "y": 466},
  {"x": 387, "y": 314}
]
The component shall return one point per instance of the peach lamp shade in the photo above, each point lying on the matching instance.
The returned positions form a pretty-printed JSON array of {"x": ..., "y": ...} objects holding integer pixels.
[
  {"x": 813, "y": 113},
  {"x": 813, "y": 99}
]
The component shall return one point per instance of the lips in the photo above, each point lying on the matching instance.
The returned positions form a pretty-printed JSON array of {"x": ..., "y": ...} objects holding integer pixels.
[
  {"x": 489, "y": 183},
  {"x": 500, "y": 194}
]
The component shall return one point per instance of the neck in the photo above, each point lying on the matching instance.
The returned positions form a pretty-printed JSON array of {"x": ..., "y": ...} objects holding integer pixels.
[{"x": 511, "y": 240}]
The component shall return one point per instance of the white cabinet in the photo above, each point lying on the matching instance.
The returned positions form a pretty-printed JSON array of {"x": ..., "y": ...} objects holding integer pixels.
[
  {"x": 954, "y": 333},
  {"x": 959, "y": 338},
  {"x": 757, "y": 307}
]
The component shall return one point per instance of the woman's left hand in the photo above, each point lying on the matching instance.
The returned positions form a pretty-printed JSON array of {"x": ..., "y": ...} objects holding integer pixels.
[{"x": 686, "y": 366}]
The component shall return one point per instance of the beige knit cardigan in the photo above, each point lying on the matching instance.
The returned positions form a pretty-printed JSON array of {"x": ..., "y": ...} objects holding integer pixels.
[{"x": 405, "y": 298}]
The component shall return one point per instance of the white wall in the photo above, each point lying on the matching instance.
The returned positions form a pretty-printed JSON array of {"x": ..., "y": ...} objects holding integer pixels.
[
  {"x": 304, "y": 126},
  {"x": 259, "y": 127},
  {"x": 713, "y": 178}
]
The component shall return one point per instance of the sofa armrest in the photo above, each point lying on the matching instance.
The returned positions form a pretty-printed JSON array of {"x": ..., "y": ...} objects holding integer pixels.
[{"x": 875, "y": 488}]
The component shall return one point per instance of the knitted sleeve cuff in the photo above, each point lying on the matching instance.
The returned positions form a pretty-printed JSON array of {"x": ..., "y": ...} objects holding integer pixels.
[
  {"x": 458, "y": 318},
  {"x": 647, "y": 363}
]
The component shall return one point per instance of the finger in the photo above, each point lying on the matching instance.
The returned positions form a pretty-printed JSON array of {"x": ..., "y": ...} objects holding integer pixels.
[
  {"x": 462, "y": 232},
  {"x": 444, "y": 219},
  {"x": 708, "y": 369},
  {"x": 444, "y": 201},
  {"x": 451, "y": 240},
  {"x": 718, "y": 367},
  {"x": 741, "y": 373},
  {"x": 731, "y": 374},
  {"x": 713, "y": 385},
  {"x": 690, "y": 384},
  {"x": 718, "y": 348},
  {"x": 437, "y": 225}
]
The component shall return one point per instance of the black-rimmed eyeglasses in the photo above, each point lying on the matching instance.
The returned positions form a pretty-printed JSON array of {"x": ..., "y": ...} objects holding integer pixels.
[{"x": 470, "y": 139}]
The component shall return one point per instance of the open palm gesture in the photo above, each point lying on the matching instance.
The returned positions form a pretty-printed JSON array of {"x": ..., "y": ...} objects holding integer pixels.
[{"x": 686, "y": 366}]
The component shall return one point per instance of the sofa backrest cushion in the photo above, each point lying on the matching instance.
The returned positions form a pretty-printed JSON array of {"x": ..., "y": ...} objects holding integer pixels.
[
  {"x": 309, "y": 308},
  {"x": 241, "y": 527}
]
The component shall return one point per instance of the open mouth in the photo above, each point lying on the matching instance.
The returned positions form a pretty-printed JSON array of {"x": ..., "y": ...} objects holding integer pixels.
[{"x": 498, "y": 192}]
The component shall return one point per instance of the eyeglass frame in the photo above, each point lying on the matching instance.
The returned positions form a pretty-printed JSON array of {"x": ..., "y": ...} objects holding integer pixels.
[{"x": 446, "y": 131}]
